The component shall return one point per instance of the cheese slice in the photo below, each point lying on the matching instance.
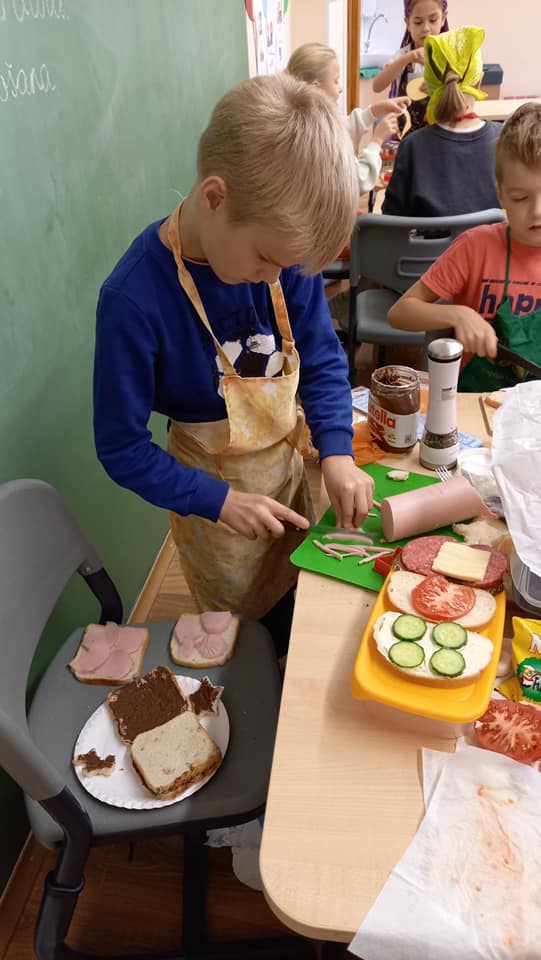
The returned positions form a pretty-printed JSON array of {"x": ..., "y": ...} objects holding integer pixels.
[{"x": 464, "y": 563}]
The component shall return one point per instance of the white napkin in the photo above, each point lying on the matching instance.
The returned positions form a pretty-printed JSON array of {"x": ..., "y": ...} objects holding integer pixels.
[
  {"x": 469, "y": 884},
  {"x": 516, "y": 462}
]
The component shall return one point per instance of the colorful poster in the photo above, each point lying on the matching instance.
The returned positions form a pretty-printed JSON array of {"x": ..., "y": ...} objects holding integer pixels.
[{"x": 269, "y": 34}]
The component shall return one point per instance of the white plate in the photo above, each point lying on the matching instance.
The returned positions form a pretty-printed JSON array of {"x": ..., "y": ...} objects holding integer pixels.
[{"x": 124, "y": 787}]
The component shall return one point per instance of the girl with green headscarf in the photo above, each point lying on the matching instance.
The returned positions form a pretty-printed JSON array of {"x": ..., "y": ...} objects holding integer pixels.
[
  {"x": 447, "y": 167},
  {"x": 453, "y": 72}
]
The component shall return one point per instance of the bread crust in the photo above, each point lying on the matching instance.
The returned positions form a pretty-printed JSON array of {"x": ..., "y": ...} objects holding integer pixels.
[{"x": 187, "y": 779}]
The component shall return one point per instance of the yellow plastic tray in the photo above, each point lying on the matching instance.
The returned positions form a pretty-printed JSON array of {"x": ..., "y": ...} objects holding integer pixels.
[{"x": 375, "y": 679}]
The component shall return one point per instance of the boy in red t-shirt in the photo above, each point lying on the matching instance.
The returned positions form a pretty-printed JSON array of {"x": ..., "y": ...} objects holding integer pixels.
[{"x": 492, "y": 272}]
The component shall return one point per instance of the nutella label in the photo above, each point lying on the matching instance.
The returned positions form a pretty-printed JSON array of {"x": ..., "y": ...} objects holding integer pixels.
[{"x": 393, "y": 429}]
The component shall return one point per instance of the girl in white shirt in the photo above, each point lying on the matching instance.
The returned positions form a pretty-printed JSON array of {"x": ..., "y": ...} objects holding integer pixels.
[{"x": 317, "y": 63}]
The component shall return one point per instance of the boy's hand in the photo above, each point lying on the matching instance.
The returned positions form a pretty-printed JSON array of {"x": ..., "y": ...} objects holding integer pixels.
[
  {"x": 254, "y": 515},
  {"x": 350, "y": 490},
  {"x": 474, "y": 332},
  {"x": 395, "y": 106}
]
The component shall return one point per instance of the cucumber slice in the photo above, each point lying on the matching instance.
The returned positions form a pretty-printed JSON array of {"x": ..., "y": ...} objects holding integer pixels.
[
  {"x": 409, "y": 627},
  {"x": 450, "y": 635},
  {"x": 406, "y": 654},
  {"x": 448, "y": 663}
]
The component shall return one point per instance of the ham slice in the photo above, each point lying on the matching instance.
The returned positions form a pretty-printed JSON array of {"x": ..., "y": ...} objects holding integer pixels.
[
  {"x": 216, "y": 621},
  {"x": 110, "y": 653},
  {"x": 211, "y": 646}
]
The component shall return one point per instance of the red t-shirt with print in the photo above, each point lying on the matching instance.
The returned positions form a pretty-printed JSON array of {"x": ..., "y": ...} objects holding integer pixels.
[{"x": 472, "y": 272}]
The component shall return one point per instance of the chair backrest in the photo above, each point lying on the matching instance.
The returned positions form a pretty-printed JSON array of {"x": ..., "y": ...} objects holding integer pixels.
[
  {"x": 41, "y": 546},
  {"x": 394, "y": 252}
]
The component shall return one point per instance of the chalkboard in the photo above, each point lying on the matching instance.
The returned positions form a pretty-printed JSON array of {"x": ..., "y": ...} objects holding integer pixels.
[{"x": 101, "y": 106}]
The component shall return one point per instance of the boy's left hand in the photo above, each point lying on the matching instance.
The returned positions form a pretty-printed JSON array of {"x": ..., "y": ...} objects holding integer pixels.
[{"x": 350, "y": 490}]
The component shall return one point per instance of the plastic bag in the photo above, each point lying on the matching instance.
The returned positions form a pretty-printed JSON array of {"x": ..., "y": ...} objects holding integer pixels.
[
  {"x": 245, "y": 841},
  {"x": 526, "y": 652}
]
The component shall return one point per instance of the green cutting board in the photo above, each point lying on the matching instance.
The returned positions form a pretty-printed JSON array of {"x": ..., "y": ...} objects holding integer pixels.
[{"x": 311, "y": 558}]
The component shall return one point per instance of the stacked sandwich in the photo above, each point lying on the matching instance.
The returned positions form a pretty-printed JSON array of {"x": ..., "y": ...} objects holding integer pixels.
[{"x": 170, "y": 749}]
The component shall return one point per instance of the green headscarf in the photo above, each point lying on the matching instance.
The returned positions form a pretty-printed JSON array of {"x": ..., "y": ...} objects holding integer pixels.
[{"x": 459, "y": 51}]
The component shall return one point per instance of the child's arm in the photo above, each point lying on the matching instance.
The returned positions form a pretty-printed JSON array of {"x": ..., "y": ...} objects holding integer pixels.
[
  {"x": 417, "y": 309},
  {"x": 393, "y": 69},
  {"x": 326, "y": 396},
  {"x": 369, "y": 160}
]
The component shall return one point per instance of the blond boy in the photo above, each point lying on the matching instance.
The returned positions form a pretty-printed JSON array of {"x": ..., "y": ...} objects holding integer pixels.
[
  {"x": 208, "y": 320},
  {"x": 471, "y": 275}
]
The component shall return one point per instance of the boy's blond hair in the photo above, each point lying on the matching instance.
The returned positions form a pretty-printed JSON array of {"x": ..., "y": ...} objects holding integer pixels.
[
  {"x": 288, "y": 164},
  {"x": 310, "y": 61},
  {"x": 520, "y": 138}
]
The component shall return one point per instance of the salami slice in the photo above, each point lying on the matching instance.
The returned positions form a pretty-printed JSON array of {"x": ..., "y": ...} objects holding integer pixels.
[{"x": 418, "y": 555}]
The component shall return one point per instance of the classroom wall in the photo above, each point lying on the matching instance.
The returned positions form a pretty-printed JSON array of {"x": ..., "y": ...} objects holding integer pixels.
[
  {"x": 512, "y": 38},
  {"x": 101, "y": 107}
]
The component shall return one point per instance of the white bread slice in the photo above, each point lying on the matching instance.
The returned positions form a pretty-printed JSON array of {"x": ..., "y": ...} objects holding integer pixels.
[
  {"x": 174, "y": 756},
  {"x": 205, "y": 648},
  {"x": 110, "y": 654},
  {"x": 402, "y": 583},
  {"x": 477, "y": 653}
]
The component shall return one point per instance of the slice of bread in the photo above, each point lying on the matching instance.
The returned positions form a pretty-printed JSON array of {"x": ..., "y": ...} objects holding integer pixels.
[
  {"x": 93, "y": 765},
  {"x": 204, "y": 640},
  {"x": 402, "y": 583},
  {"x": 146, "y": 703},
  {"x": 174, "y": 756},
  {"x": 206, "y": 698},
  {"x": 110, "y": 654}
]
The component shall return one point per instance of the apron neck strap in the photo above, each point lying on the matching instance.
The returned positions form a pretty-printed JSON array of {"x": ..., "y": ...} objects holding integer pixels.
[{"x": 187, "y": 283}]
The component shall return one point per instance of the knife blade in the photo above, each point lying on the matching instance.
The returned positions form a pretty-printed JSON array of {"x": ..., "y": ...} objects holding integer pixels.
[{"x": 506, "y": 355}]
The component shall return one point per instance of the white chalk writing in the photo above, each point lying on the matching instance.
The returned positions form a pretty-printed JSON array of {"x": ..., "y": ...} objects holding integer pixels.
[
  {"x": 18, "y": 82},
  {"x": 37, "y": 9}
]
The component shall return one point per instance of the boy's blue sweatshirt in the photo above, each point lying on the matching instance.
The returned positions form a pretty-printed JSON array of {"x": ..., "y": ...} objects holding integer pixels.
[{"x": 154, "y": 354}]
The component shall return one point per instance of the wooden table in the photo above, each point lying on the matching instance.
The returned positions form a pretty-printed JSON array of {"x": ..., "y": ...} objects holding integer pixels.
[
  {"x": 345, "y": 795},
  {"x": 500, "y": 109}
]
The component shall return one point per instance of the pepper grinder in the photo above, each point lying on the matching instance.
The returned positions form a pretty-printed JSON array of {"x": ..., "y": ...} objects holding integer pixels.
[{"x": 439, "y": 445}]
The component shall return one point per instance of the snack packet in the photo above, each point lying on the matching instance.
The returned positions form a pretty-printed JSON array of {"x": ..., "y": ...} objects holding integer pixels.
[{"x": 526, "y": 650}]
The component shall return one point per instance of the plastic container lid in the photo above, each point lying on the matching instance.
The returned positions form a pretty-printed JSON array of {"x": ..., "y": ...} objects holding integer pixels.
[{"x": 526, "y": 586}]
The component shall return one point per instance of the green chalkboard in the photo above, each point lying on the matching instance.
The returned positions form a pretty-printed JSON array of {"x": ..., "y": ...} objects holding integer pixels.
[{"x": 101, "y": 106}]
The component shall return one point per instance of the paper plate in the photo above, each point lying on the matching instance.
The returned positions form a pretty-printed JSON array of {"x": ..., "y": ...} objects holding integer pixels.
[{"x": 124, "y": 788}]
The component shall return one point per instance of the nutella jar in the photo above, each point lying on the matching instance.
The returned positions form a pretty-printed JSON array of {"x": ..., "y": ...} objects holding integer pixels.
[{"x": 393, "y": 407}]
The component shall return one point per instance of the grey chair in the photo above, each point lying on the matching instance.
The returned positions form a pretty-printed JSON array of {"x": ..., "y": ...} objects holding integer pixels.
[
  {"x": 395, "y": 252},
  {"x": 41, "y": 546}
]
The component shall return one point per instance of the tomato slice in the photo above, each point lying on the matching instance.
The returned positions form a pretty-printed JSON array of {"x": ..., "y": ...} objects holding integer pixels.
[
  {"x": 436, "y": 598},
  {"x": 511, "y": 728}
]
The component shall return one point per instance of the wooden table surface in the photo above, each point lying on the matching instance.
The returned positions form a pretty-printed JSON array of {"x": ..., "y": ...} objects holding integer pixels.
[
  {"x": 500, "y": 109},
  {"x": 345, "y": 795}
]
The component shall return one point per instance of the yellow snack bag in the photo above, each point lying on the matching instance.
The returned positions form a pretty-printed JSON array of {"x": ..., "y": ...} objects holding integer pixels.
[{"x": 526, "y": 648}]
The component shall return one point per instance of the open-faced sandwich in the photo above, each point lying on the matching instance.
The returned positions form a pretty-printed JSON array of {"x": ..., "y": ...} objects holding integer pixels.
[{"x": 439, "y": 652}]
